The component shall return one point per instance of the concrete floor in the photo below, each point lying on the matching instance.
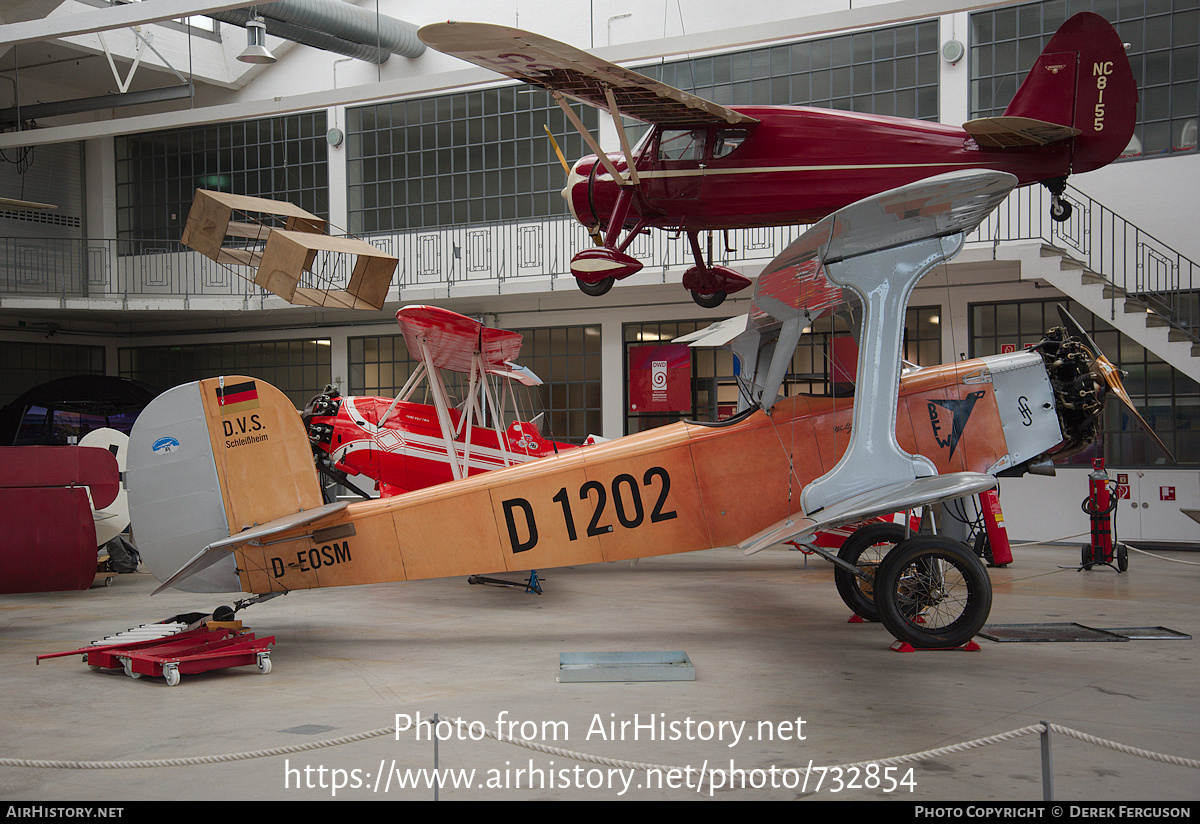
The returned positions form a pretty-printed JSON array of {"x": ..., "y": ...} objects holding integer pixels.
[{"x": 769, "y": 639}]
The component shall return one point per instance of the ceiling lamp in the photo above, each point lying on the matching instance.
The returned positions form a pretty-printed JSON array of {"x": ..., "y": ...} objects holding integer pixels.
[{"x": 256, "y": 43}]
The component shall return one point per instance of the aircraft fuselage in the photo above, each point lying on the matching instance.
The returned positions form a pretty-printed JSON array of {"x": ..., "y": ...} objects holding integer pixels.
[
  {"x": 678, "y": 488},
  {"x": 795, "y": 166}
]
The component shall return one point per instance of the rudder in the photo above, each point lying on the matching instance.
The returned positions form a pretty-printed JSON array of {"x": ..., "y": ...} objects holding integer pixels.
[
  {"x": 207, "y": 460},
  {"x": 1083, "y": 80}
]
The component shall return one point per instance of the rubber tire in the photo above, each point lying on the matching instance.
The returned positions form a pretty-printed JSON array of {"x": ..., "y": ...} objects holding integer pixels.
[
  {"x": 850, "y": 586},
  {"x": 709, "y": 301},
  {"x": 596, "y": 289},
  {"x": 1122, "y": 558},
  {"x": 1085, "y": 558},
  {"x": 924, "y": 623},
  {"x": 1060, "y": 211}
]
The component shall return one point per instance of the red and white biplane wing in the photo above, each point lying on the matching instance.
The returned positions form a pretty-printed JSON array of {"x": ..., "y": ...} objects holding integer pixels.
[{"x": 453, "y": 339}]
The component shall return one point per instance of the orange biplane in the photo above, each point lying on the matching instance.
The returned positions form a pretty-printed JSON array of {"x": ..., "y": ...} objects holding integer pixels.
[{"x": 237, "y": 479}]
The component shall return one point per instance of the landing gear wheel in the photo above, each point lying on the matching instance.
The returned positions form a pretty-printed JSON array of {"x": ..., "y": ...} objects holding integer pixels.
[
  {"x": 1060, "y": 210},
  {"x": 709, "y": 301},
  {"x": 596, "y": 289},
  {"x": 932, "y": 591},
  {"x": 865, "y": 549},
  {"x": 223, "y": 614}
]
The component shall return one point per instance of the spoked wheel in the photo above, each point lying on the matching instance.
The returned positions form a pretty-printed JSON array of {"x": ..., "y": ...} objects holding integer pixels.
[
  {"x": 596, "y": 289},
  {"x": 933, "y": 591},
  {"x": 865, "y": 549},
  {"x": 709, "y": 301}
]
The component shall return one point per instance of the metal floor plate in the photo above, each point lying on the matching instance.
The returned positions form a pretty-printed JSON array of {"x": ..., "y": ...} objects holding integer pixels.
[
  {"x": 1148, "y": 633},
  {"x": 625, "y": 666},
  {"x": 1005, "y": 633}
]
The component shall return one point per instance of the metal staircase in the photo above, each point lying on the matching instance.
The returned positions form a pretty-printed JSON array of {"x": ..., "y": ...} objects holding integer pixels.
[{"x": 1141, "y": 286}]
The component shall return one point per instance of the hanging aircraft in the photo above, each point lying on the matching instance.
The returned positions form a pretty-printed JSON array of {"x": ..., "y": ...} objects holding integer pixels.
[
  {"x": 404, "y": 443},
  {"x": 707, "y": 167},
  {"x": 225, "y": 463}
]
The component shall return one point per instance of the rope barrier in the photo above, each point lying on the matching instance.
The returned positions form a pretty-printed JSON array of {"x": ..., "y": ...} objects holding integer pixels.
[
  {"x": 596, "y": 759},
  {"x": 1161, "y": 557}
]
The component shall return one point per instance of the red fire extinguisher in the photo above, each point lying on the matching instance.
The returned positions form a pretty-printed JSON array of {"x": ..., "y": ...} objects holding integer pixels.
[
  {"x": 1099, "y": 505},
  {"x": 998, "y": 551}
]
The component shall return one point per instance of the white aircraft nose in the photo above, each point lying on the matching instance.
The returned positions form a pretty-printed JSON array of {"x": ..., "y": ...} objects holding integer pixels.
[{"x": 573, "y": 178}]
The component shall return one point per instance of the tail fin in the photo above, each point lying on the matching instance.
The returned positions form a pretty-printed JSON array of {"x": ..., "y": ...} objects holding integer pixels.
[
  {"x": 208, "y": 460},
  {"x": 1083, "y": 80}
]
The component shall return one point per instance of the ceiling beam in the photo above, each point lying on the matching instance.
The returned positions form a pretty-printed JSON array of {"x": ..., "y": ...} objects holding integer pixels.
[{"x": 114, "y": 17}]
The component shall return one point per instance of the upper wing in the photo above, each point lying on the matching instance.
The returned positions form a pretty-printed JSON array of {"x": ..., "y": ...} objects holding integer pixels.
[
  {"x": 934, "y": 207},
  {"x": 453, "y": 339},
  {"x": 556, "y": 66}
]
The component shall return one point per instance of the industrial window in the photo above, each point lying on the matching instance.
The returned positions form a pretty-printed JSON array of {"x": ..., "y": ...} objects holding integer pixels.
[
  {"x": 26, "y": 365},
  {"x": 298, "y": 368},
  {"x": 1167, "y": 399},
  {"x": 470, "y": 157},
  {"x": 282, "y": 158},
  {"x": 566, "y": 358},
  {"x": 715, "y": 391},
  {"x": 891, "y": 71},
  {"x": 1163, "y": 38}
]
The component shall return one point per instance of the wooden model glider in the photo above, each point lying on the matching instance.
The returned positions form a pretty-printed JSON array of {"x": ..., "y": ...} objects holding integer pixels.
[{"x": 284, "y": 256}]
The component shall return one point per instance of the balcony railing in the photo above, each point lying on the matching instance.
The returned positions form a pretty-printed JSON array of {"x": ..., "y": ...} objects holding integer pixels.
[{"x": 1137, "y": 264}]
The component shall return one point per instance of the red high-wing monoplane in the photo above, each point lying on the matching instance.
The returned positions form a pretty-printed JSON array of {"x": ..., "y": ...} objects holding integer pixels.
[{"x": 706, "y": 167}]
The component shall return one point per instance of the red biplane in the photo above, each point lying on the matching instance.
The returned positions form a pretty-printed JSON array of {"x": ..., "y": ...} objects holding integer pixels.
[
  {"x": 706, "y": 167},
  {"x": 404, "y": 443}
]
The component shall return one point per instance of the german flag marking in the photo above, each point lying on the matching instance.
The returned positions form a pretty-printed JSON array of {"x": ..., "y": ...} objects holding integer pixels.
[{"x": 237, "y": 398}]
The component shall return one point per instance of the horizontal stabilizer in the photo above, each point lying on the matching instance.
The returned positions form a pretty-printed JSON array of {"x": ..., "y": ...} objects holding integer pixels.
[
  {"x": 1017, "y": 132},
  {"x": 718, "y": 334},
  {"x": 885, "y": 500},
  {"x": 219, "y": 549}
]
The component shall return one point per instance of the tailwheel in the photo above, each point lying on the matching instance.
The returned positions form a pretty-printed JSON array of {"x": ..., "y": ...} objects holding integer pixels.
[
  {"x": 932, "y": 591},
  {"x": 596, "y": 289},
  {"x": 1060, "y": 210},
  {"x": 865, "y": 549},
  {"x": 709, "y": 301}
]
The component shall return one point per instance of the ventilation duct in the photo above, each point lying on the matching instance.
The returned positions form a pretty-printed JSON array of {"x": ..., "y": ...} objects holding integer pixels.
[{"x": 335, "y": 26}]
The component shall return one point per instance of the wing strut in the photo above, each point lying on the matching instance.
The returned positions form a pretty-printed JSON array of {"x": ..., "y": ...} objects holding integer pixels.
[
  {"x": 439, "y": 404},
  {"x": 615, "y": 111},
  {"x": 588, "y": 138}
]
